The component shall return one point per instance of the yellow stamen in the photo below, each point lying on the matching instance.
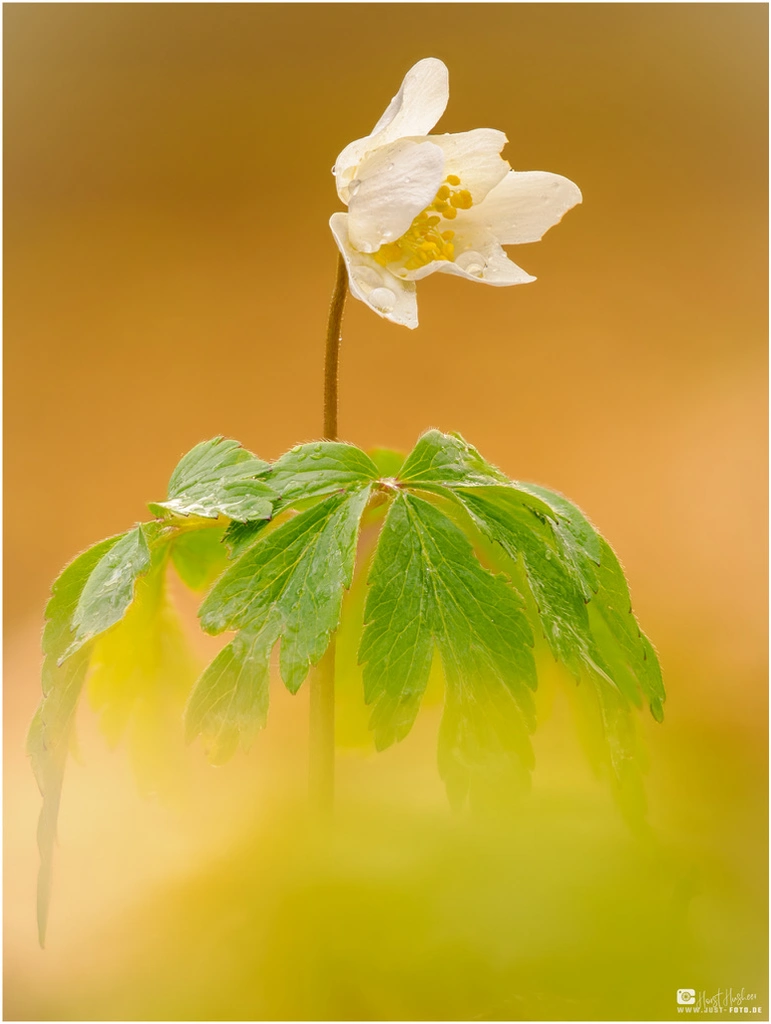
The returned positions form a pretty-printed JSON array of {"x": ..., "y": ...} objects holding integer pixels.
[
  {"x": 422, "y": 243},
  {"x": 462, "y": 200}
]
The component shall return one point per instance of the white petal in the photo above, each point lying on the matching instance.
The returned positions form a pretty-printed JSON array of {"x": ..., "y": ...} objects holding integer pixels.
[
  {"x": 475, "y": 158},
  {"x": 496, "y": 268},
  {"x": 419, "y": 103},
  {"x": 387, "y": 296},
  {"x": 525, "y": 205},
  {"x": 478, "y": 257},
  {"x": 414, "y": 110},
  {"x": 394, "y": 185}
]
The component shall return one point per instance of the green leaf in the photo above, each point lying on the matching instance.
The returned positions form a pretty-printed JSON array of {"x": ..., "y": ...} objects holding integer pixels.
[
  {"x": 446, "y": 459},
  {"x": 140, "y": 674},
  {"x": 229, "y": 703},
  {"x": 625, "y": 649},
  {"x": 578, "y": 540},
  {"x": 301, "y": 476},
  {"x": 314, "y": 470},
  {"x": 49, "y": 734},
  {"x": 428, "y": 588},
  {"x": 554, "y": 583},
  {"x": 291, "y": 582},
  {"x": 397, "y": 642},
  {"x": 621, "y": 651},
  {"x": 218, "y": 477},
  {"x": 239, "y": 537},
  {"x": 109, "y": 589},
  {"x": 199, "y": 556}
]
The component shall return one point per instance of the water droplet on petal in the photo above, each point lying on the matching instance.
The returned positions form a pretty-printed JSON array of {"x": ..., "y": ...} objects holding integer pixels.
[
  {"x": 382, "y": 299},
  {"x": 366, "y": 277},
  {"x": 472, "y": 262},
  {"x": 334, "y": 168}
]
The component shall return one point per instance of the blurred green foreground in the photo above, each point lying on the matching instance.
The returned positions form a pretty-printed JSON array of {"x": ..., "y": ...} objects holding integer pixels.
[{"x": 554, "y": 909}]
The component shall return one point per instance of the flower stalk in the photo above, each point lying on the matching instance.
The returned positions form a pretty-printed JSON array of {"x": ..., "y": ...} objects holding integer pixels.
[
  {"x": 332, "y": 360},
  {"x": 321, "y": 748}
]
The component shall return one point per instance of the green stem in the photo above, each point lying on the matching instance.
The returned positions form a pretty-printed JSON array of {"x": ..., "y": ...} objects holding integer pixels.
[{"x": 321, "y": 750}]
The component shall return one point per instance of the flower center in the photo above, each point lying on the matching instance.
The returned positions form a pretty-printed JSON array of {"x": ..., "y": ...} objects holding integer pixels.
[{"x": 423, "y": 242}]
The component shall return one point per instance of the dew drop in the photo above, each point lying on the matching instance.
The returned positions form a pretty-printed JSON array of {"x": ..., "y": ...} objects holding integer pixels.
[
  {"x": 472, "y": 262},
  {"x": 382, "y": 299},
  {"x": 367, "y": 277},
  {"x": 334, "y": 168}
]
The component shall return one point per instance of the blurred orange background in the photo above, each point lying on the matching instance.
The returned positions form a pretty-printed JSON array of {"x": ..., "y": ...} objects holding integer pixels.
[{"x": 167, "y": 270}]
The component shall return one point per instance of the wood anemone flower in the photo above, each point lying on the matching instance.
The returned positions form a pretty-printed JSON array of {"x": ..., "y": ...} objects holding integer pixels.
[{"x": 419, "y": 203}]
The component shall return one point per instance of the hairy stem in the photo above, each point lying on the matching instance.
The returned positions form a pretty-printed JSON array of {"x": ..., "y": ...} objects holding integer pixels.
[
  {"x": 321, "y": 752},
  {"x": 332, "y": 360}
]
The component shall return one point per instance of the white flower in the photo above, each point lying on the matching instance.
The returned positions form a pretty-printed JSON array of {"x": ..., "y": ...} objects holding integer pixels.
[{"x": 418, "y": 203}]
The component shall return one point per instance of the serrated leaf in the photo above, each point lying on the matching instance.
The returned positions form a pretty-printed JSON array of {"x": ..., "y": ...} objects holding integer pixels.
[
  {"x": 321, "y": 468},
  {"x": 579, "y": 541},
  {"x": 219, "y": 477},
  {"x": 554, "y": 583},
  {"x": 140, "y": 674},
  {"x": 239, "y": 537},
  {"x": 295, "y": 576},
  {"x": 428, "y": 588},
  {"x": 621, "y": 642},
  {"x": 109, "y": 589},
  {"x": 229, "y": 704},
  {"x": 49, "y": 734},
  {"x": 624, "y": 653},
  {"x": 397, "y": 642},
  {"x": 446, "y": 459},
  {"x": 199, "y": 556},
  {"x": 561, "y": 557}
]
